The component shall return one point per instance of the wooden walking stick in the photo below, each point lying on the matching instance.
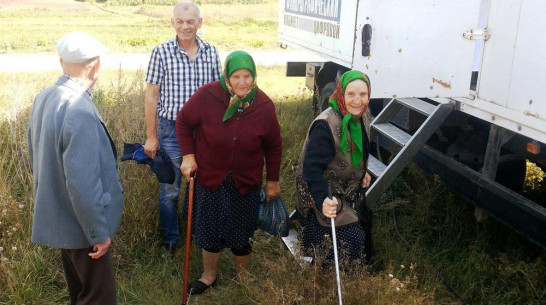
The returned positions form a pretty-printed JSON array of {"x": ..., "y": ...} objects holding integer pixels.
[{"x": 188, "y": 244}]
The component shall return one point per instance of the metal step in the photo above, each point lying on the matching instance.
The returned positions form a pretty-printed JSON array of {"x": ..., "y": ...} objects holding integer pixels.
[
  {"x": 417, "y": 105},
  {"x": 410, "y": 144},
  {"x": 293, "y": 244},
  {"x": 392, "y": 132},
  {"x": 375, "y": 167}
]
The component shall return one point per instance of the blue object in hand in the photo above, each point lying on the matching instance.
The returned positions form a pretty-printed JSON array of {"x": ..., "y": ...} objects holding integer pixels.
[{"x": 161, "y": 165}]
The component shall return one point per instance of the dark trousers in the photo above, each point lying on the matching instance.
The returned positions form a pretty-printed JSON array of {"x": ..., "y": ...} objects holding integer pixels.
[{"x": 90, "y": 281}]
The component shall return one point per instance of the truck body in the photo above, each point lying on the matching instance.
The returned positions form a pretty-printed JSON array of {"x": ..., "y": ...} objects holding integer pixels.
[{"x": 485, "y": 59}]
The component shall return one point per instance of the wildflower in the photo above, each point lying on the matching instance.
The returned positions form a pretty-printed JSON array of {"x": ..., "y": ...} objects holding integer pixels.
[
  {"x": 1, "y": 249},
  {"x": 397, "y": 288},
  {"x": 14, "y": 229},
  {"x": 5, "y": 259},
  {"x": 13, "y": 248},
  {"x": 412, "y": 266},
  {"x": 402, "y": 266},
  {"x": 21, "y": 206},
  {"x": 390, "y": 275}
]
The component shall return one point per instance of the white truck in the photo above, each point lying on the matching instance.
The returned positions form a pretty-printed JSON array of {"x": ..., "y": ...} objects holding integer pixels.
[{"x": 458, "y": 87}]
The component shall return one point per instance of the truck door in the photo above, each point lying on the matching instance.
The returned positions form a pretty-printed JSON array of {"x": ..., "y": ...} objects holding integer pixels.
[
  {"x": 415, "y": 48},
  {"x": 514, "y": 60}
]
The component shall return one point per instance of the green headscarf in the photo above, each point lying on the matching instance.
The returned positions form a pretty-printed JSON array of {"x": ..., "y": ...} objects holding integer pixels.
[
  {"x": 237, "y": 60},
  {"x": 350, "y": 123}
]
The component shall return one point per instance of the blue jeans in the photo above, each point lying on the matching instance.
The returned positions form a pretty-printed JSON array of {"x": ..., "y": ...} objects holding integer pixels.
[{"x": 169, "y": 193}]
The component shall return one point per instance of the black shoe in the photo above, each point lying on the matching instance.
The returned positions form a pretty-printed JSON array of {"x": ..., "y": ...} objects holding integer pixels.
[
  {"x": 198, "y": 287},
  {"x": 170, "y": 247}
]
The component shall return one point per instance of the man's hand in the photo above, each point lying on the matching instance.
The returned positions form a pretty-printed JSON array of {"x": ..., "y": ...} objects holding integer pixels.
[
  {"x": 272, "y": 190},
  {"x": 100, "y": 249},
  {"x": 151, "y": 146},
  {"x": 366, "y": 181},
  {"x": 329, "y": 207},
  {"x": 189, "y": 166},
  {"x": 150, "y": 114}
]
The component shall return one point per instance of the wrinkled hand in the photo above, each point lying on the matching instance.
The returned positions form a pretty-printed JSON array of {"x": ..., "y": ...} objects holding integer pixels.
[
  {"x": 329, "y": 207},
  {"x": 366, "y": 181},
  {"x": 189, "y": 166},
  {"x": 151, "y": 146},
  {"x": 272, "y": 190},
  {"x": 100, "y": 249}
]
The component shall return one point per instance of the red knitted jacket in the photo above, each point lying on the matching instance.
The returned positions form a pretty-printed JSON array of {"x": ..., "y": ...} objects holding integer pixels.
[{"x": 238, "y": 146}]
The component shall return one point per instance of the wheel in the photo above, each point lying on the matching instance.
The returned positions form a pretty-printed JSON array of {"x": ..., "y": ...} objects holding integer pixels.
[
  {"x": 511, "y": 173},
  {"x": 325, "y": 94}
]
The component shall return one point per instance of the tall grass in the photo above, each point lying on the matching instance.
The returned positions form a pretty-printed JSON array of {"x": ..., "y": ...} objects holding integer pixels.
[
  {"x": 32, "y": 274},
  {"x": 429, "y": 250},
  {"x": 474, "y": 263}
]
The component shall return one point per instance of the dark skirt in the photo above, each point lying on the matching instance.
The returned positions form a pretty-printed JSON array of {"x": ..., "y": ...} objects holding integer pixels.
[
  {"x": 317, "y": 240},
  {"x": 223, "y": 218}
]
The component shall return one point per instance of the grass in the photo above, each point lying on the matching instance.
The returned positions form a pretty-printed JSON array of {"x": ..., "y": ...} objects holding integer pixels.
[
  {"x": 429, "y": 249},
  {"x": 477, "y": 263},
  {"x": 435, "y": 254},
  {"x": 32, "y": 274},
  {"x": 133, "y": 26}
]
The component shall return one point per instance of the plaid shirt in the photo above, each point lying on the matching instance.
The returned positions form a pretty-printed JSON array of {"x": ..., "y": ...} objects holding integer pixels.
[
  {"x": 178, "y": 76},
  {"x": 81, "y": 84}
]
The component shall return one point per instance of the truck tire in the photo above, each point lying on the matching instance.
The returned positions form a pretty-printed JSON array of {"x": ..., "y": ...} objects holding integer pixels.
[
  {"x": 325, "y": 94},
  {"x": 511, "y": 173}
]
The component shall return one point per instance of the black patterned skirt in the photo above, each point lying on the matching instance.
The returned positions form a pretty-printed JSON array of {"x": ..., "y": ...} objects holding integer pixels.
[
  {"x": 223, "y": 218},
  {"x": 317, "y": 240}
]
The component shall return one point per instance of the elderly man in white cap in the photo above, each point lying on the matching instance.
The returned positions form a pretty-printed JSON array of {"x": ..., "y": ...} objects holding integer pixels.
[{"x": 78, "y": 199}]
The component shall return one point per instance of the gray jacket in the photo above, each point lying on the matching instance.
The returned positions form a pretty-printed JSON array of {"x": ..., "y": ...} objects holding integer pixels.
[{"x": 78, "y": 200}]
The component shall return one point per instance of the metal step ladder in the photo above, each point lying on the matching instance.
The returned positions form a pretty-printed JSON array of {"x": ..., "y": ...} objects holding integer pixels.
[{"x": 382, "y": 130}]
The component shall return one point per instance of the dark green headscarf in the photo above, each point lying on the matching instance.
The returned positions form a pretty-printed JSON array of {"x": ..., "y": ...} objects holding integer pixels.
[
  {"x": 237, "y": 60},
  {"x": 350, "y": 123}
]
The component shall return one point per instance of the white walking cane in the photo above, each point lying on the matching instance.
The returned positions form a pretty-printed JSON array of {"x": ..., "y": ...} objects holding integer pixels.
[{"x": 334, "y": 240}]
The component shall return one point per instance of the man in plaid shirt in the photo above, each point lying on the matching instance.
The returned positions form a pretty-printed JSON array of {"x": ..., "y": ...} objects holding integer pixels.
[{"x": 176, "y": 70}]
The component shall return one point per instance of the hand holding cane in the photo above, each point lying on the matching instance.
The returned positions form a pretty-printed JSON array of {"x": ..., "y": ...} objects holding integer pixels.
[
  {"x": 334, "y": 241},
  {"x": 188, "y": 243}
]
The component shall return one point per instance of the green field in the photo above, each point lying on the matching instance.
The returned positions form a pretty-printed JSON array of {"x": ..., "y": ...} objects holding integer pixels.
[
  {"x": 429, "y": 249},
  {"x": 35, "y": 26}
]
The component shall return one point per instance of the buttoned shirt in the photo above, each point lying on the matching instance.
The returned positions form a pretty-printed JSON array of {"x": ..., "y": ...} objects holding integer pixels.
[
  {"x": 80, "y": 83},
  {"x": 178, "y": 75}
]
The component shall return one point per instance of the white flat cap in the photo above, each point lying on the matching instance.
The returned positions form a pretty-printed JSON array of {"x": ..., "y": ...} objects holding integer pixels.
[{"x": 78, "y": 47}]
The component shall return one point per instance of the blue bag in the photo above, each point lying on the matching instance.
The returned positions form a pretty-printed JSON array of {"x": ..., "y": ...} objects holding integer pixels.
[{"x": 273, "y": 216}]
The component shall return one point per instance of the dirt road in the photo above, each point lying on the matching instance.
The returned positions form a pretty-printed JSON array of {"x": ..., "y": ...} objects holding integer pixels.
[{"x": 50, "y": 62}]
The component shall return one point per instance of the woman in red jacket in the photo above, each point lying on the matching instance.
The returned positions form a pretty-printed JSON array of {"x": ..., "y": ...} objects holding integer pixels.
[{"x": 226, "y": 131}]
